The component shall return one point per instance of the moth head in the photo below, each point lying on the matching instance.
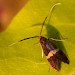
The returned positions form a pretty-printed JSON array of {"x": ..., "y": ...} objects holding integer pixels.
[{"x": 43, "y": 40}]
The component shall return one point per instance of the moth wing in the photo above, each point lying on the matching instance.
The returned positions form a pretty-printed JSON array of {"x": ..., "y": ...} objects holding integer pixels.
[
  {"x": 61, "y": 56},
  {"x": 54, "y": 62}
]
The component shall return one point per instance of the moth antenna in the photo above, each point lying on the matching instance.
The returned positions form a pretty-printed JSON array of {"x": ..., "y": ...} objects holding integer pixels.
[
  {"x": 22, "y": 40},
  {"x": 50, "y": 12}
]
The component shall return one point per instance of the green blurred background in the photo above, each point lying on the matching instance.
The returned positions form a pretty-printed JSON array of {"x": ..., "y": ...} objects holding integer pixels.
[{"x": 25, "y": 57}]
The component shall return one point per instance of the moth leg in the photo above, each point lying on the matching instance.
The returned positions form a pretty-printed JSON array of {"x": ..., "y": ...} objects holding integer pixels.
[
  {"x": 56, "y": 39},
  {"x": 42, "y": 54},
  {"x": 49, "y": 69}
]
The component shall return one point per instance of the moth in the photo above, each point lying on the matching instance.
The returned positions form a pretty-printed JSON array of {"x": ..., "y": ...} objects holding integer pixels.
[{"x": 53, "y": 54}]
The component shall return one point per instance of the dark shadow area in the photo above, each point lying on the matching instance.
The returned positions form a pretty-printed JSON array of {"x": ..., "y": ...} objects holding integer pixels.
[{"x": 52, "y": 32}]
